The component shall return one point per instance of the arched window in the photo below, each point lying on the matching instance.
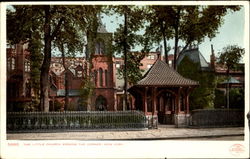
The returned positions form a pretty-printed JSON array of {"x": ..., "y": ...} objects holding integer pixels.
[
  {"x": 13, "y": 63},
  {"x": 9, "y": 64},
  {"x": 106, "y": 78},
  {"x": 101, "y": 76},
  {"x": 79, "y": 73},
  {"x": 27, "y": 65},
  {"x": 95, "y": 77},
  {"x": 99, "y": 48}
]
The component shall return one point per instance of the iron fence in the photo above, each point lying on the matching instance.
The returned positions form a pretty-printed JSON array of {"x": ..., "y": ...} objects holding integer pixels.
[
  {"x": 217, "y": 117},
  {"x": 74, "y": 121}
]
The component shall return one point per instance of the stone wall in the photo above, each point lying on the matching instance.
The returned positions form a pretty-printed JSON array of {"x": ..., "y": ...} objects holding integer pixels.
[{"x": 182, "y": 120}]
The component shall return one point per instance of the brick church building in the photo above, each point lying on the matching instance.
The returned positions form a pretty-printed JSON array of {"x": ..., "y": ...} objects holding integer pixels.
[
  {"x": 18, "y": 76},
  {"x": 108, "y": 86}
]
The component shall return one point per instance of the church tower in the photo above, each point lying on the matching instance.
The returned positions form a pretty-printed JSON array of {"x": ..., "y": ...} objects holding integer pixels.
[{"x": 102, "y": 70}]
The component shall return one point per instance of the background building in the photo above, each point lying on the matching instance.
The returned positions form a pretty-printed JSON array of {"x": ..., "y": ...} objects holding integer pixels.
[{"x": 108, "y": 86}]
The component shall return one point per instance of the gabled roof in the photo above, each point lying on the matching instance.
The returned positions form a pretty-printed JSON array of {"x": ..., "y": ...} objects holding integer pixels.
[
  {"x": 231, "y": 80},
  {"x": 194, "y": 55},
  {"x": 102, "y": 29},
  {"x": 160, "y": 74}
]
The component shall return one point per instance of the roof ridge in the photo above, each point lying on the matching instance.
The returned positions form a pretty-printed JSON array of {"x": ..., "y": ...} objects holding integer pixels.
[
  {"x": 149, "y": 70},
  {"x": 161, "y": 74}
]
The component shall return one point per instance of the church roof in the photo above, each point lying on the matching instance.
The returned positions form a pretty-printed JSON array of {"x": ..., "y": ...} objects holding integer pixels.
[
  {"x": 160, "y": 74},
  {"x": 102, "y": 29},
  {"x": 195, "y": 55}
]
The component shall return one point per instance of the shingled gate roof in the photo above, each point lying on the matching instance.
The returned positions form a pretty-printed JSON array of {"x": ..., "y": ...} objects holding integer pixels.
[{"x": 160, "y": 74}]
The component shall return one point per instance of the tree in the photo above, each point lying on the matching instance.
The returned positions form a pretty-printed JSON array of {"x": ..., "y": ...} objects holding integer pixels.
[
  {"x": 68, "y": 35},
  {"x": 230, "y": 57},
  {"x": 35, "y": 62},
  {"x": 49, "y": 21},
  {"x": 126, "y": 37},
  {"x": 158, "y": 28},
  {"x": 190, "y": 24},
  {"x": 202, "y": 96},
  {"x": 134, "y": 73}
]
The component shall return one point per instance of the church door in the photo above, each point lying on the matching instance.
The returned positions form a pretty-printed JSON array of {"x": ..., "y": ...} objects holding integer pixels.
[
  {"x": 166, "y": 108},
  {"x": 101, "y": 103}
]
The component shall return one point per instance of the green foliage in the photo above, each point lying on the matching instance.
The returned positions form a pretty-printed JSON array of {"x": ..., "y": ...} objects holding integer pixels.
[
  {"x": 187, "y": 23},
  {"x": 134, "y": 23},
  {"x": 57, "y": 105},
  {"x": 21, "y": 23},
  {"x": 159, "y": 27},
  {"x": 220, "y": 99},
  {"x": 36, "y": 58},
  {"x": 202, "y": 96},
  {"x": 86, "y": 92},
  {"x": 126, "y": 38},
  {"x": 54, "y": 24},
  {"x": 237, "y": 100},
  {"x": 231, "y": 56},
  {"x": 133, "y": 71},
  {"x": 71, "y": 107},
  {"x": 117, "y": 120},
  {"x": 31, "y": 106},
  {"x": 19, "y": 106}
]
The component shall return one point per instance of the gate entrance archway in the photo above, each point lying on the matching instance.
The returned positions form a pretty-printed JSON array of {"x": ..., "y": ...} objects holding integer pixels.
[
  {"x": 166, "y": 107},
  {"x": 101, "y": 103},
  {"x": 165, "y": 95}
]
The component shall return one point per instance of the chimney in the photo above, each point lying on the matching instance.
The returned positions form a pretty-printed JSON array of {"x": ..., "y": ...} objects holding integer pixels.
[{"x": 158, "y": 55}]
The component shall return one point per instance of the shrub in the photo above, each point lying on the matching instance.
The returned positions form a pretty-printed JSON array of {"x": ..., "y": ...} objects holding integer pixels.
[{"x": 220, "y": 99}]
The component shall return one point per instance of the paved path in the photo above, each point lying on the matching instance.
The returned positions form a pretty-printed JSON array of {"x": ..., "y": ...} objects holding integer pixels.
[{"x": 162, "y": 133}]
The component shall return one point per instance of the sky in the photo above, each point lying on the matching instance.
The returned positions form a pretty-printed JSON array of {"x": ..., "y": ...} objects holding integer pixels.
[{"x": 231, "y": 32}]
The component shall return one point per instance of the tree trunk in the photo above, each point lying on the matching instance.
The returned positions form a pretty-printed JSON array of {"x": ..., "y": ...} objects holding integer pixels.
[
  {"x": 125, "y": 62},
  {"x": 88, "y": 75},
  {"x": 165, "y": 49},
  {"x": 165, "y": 44},
  {"x": 176, "y": 28},
  {"x": 44, "y": 78},
  {"x": 66, "y": 99}
]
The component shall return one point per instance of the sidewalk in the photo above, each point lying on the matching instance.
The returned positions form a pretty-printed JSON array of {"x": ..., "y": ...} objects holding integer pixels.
[{"x": 164, "y": 132}]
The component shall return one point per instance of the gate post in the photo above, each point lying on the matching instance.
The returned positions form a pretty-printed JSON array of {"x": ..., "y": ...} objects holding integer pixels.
[{"x": 248, "y": 116}]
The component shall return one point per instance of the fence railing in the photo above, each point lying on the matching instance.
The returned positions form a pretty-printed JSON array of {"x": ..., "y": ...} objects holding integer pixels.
[
  {"x": 217, "y": 117},
  {"x": 74, "y": 121}
]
